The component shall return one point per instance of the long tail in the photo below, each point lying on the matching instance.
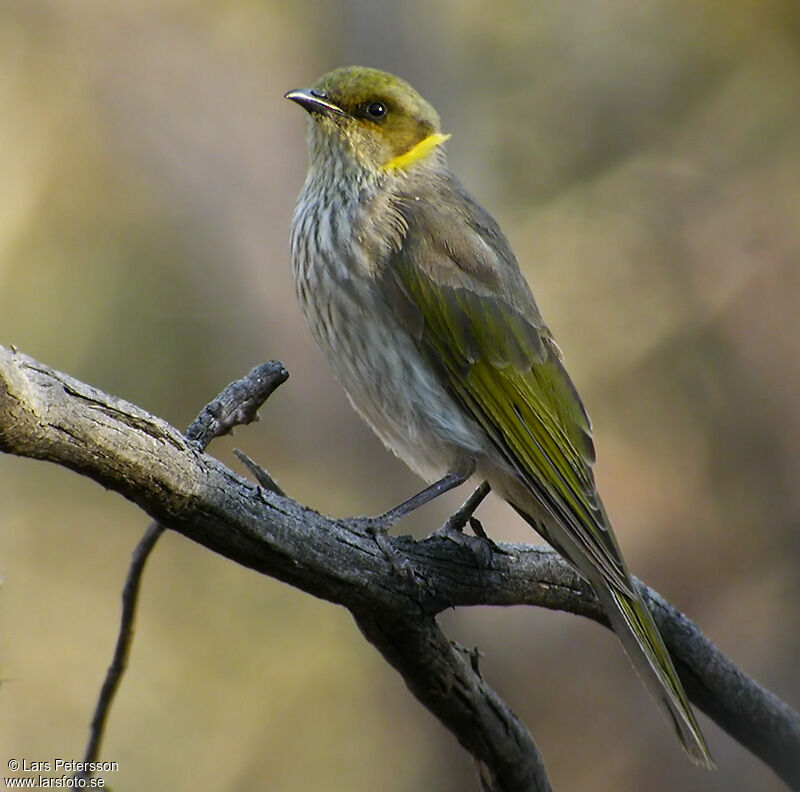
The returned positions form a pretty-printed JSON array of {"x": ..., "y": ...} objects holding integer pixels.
[{"x": 634, "y": 625}]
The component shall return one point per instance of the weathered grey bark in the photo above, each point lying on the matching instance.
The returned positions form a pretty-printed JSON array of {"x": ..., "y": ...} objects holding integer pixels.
[
  {"x": 48, "y": 415},
  {"x": 237, "y": 404}
]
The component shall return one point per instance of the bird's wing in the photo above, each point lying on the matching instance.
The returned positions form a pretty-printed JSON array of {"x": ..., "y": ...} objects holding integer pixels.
[{"x": 497, "y": 358}]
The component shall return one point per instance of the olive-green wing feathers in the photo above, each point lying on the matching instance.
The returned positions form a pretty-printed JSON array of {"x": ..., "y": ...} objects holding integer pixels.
[
  {"x": 497, "y": 358},
  {"x": 455, "y": 285}
]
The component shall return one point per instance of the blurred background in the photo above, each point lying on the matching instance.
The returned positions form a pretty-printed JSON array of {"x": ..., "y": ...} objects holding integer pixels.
[{"x": 644, "y": 160}]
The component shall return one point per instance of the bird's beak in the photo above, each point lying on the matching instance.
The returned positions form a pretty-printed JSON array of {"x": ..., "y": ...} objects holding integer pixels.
[{"x": 314, "y": 102}]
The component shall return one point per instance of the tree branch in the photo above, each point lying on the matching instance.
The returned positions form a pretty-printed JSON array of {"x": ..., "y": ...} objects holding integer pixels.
[
  {"x": 446, "y": 679},
  {"x": 48, "y": 415},
  {"x": 237, "y": 404},
  {"x": 122, "y": 648}
]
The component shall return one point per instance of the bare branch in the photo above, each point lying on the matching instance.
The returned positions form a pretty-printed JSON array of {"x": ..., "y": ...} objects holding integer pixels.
[
  {"x": 122, "y": 649},
  {"x": 47, "y": 415},
  {"x": 446, "y": 679},
  {"x": 237, "y": 404}
]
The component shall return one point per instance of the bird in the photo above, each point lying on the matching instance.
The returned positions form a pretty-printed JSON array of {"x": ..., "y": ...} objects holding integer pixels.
[{"x": 414, "y": 296}]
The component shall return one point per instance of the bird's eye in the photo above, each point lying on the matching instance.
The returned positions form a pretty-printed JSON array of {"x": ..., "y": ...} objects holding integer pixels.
[{"x": 376, "y": 109}]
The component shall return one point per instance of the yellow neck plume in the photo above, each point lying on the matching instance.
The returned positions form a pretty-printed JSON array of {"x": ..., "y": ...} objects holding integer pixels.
[{"x": 416, "y": 152}]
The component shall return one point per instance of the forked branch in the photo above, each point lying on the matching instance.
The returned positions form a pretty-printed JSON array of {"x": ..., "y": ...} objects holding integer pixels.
[{"x": 48, "y": 415}]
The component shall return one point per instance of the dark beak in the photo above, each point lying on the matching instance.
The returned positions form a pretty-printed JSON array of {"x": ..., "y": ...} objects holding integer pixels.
[{"x": 314, "y": 102}]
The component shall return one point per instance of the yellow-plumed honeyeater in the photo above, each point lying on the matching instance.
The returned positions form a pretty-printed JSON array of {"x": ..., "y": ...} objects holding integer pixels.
[{"x": 413, "y": 294}]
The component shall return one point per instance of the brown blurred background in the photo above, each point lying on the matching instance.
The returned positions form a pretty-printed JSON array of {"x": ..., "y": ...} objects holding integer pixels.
[{"x": 644, "y": 160}]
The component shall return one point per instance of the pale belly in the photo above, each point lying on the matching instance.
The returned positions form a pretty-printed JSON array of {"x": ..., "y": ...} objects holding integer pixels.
[{"x": 387, "y": 380}]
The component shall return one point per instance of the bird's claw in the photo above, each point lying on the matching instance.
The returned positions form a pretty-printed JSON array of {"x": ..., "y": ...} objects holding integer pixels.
[
  {"x": 375, "y": 526},
  {"x": 479, "y": 545},
  {"x": 400, "y": 563},
  {"x": 477, "y": 529},
  {"x": 378, "y": 528}
]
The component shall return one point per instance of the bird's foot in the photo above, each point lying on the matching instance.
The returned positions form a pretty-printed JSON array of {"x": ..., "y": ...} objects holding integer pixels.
[
  {"x": 453, "y": 529},
  {"x": 378, "y": 528},
  {"x": 381, "y": 524},
  {"x": 401, "y": 564},
  {"x": 477, "y": 529},
  {"x": 458, "y": 520},
  {"x": 480, "y": 545}
]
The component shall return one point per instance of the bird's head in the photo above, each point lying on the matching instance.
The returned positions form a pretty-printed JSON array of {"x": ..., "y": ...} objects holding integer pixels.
[{"x": 373, "y": 118}]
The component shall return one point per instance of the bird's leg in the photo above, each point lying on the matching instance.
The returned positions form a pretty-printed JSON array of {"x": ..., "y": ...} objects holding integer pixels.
[
  {"x": 379, "y": 526},
  {"x": 481, "y": 545},
  {"x": 463, "y": 515},
  {"x": 385, "y": 521}
]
